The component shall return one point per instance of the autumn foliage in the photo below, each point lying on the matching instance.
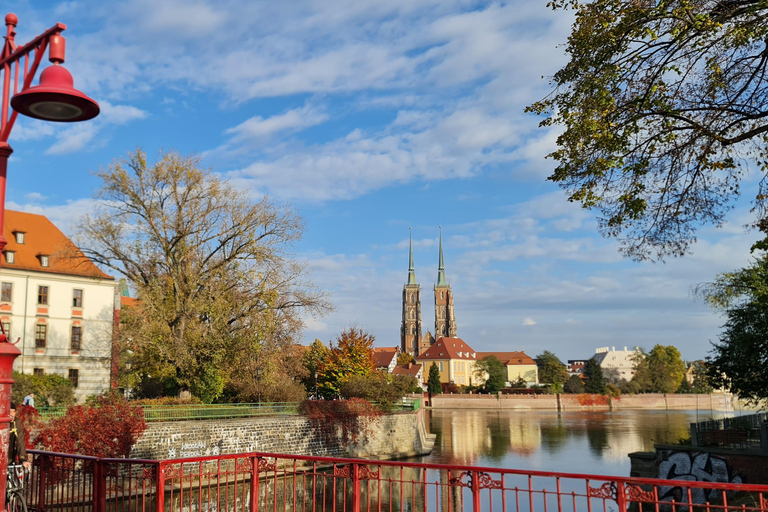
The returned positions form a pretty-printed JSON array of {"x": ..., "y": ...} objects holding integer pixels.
[
  {"x": 108, "y": 427},
  {"x": 352, "y": 354},
  {"x": 343, "y": 421}
]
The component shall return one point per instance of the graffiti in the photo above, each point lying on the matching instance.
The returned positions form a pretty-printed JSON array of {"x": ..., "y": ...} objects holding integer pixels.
[
  {"x": 197, "y": 449},
  {"x": 693, "y": 467}
]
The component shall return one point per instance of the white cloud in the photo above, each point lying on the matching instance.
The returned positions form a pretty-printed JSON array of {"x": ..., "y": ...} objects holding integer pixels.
[
  {"x": 528, "y": 321},
  {"x": 290, "y": 121}
]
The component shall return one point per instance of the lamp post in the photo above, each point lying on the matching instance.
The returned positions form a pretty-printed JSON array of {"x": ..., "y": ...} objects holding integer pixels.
[{"x": 54, "y": 99}]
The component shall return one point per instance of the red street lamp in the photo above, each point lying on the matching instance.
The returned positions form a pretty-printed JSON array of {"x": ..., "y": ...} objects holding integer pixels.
[{"x": 55, "y": 99}]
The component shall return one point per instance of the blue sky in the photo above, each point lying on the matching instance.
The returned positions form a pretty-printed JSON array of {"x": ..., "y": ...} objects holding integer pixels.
[{"x": 371, "y": 117}]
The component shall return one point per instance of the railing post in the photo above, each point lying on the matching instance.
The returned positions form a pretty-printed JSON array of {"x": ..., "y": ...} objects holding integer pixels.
[
  {"x": 475, "y": 491},
  {"x": 254, "y": 484},
  {"x": 99, "y": 487},
  {"x": 355, "y": 488},
  {"x": 160, "y": 488},
  {"x": 42, "y": 476},
  {"x": 694, "y": 435},
  {"x": 621, "y": 496}
]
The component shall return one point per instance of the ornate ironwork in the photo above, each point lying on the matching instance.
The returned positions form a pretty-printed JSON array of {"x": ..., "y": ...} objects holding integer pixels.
[
  {"x": 265, "y": 465},
  {"x": 172, "y": 472},
  {"x": 636, "y": 493},
  {"x": 342, "y": 471},
  {"x": 456, "y": 481},
  {"x": 365, "y": 473},
  {"x": 605, "y": 491},
  {"x": 149, "y": 473},
  {"x": 487, "y": 482},
  {"x": 243, "y": 466}
]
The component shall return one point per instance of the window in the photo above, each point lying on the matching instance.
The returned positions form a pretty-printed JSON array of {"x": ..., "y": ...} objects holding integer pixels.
[
  {"x": 43, "y": 260},
  {"x": 42, "y": 295},
  {"x": 74, "y": 376},
  {"x": 440, "y": 366},
  {"x": 77, "y": 298},
  {"x": 38, "y": 371},
  {"x": 41, "y": 335},
  {"x": 7, "y": 329},
  {"x": 10, "y": 257},
  {"x": 7, "y": 294},
  {"x": 77, "y": 334},
  {"x": 442, "y": 295},
  {"x": 20, "y": 237}
]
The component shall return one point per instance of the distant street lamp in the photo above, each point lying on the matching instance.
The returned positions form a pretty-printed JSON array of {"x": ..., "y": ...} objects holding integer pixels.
[{"x": 54, "y": 99}]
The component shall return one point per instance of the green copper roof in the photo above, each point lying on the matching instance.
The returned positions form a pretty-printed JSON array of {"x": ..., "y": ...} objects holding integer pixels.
[
  {"x": 411, "y": 270},
  {"x": 441, "y": 267}
]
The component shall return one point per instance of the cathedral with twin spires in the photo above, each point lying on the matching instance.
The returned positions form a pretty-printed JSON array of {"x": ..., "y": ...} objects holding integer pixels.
[{"x": 411, "y": 339}]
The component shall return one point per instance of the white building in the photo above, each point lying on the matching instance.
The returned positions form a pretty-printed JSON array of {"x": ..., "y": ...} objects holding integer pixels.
[
  {"x": 617, "y": 365},
  {"x": 56, "y": 305}
]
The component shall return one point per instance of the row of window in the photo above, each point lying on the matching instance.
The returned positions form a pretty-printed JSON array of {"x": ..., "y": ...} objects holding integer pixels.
[
  {"x": 41, "y": 335},
  {"x": 6, "y": 295},
  {"x": 73, "y": 375},
  {"x": 10, "y": 257}
]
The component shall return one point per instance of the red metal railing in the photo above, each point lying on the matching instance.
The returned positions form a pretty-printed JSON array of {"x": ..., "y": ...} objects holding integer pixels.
[{"x": 262, "y": 482}]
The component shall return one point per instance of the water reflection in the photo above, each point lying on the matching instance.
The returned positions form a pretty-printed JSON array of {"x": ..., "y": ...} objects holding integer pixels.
[{"x": 585, "y": 442}]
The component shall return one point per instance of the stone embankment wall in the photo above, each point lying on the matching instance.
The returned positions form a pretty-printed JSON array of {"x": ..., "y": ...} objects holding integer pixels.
[
  {"x": 567, "y": 402},
  {"x": 390, "y": 436}
]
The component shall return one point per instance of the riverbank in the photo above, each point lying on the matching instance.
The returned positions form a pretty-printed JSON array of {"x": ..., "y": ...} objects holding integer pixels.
[{"x": 578, "y": 402}]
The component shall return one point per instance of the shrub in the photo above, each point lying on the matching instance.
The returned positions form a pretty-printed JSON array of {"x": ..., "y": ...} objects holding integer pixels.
[
  {"x": 168, "y": 400},
  {"x": 613, "y": 390},
  {"x": 383, "y": 388},
  {"x": 30, "y": 418},
  {"x": 341, "y": 420},
  {"x": 449, "y": 387},
  {"x": 108, "y": 427},
  {"x": 52, "y": 390},
  {"x": 574, "y": 384}
]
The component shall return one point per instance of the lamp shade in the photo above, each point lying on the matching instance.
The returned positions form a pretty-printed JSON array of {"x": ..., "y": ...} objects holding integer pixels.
[{"x": 55, "y": 99}]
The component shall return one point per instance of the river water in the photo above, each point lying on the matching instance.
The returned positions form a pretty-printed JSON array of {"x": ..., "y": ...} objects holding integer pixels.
[{"x": 593, "y": 442}]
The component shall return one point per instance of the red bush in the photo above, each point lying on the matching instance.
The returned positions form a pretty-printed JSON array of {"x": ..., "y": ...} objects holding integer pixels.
[
  {"x": 30, "y": 418},
  {"x": 354, "y": 416},
  {"x": 107, "y": 428},
  {"x": 588, "y": 400}
]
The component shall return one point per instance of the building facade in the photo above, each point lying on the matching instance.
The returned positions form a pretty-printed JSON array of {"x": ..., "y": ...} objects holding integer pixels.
[
  {"x": 617, "y": 365},
  {"x": 411, "y": 339},
  {"x": 455, "y": 360},
  {"x": 56, "y": 305},
  {"x": 519, "y": 366}
]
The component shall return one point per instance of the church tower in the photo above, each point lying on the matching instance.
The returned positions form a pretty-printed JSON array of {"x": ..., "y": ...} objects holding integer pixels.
[
  {"x": 410, "y": 328},
  {"x": 445, "y": 321}
]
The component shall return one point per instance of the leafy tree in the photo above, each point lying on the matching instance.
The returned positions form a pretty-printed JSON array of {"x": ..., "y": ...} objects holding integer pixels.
[
  {"x": 218, "y": 290},
  {"x": 551, "y": 370},
  {"x": 313, "y": 359},
  {"x": 434, "y": 386},
  {"x": 574, "y": 384},
  {"x": 405, "y": 358},
  {"x": 381, "y": 387},
  {"x": 352, "y": 355},
  {"x": 51, "y": 389},
  {"x": 108, "y": 427},
  {"x": 666, "y": 367},
  {"x": 663, "y": 107},
  {"x": 641, "y": 381},
  {"x": 593, "y": 374},
  {"x": 701, "y": 380},
  {"x": 496, "y": 372}
]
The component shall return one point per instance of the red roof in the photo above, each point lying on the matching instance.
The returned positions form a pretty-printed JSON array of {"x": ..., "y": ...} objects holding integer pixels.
[
  {"x": 383, "y": 356},
  {"x": 42, "y": 238},
  {"x": 449, "y": 348},
  {"x": 509, "y": 358},
  {"x": 403, "y": 369},
  {"x": 128, "y": 301}
]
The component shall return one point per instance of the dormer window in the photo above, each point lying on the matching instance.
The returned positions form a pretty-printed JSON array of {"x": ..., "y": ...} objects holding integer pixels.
[
  {"x": 20, "y": 237},
  {"x": 43, "y": 260},
  {"x": 10, "y": 257}
]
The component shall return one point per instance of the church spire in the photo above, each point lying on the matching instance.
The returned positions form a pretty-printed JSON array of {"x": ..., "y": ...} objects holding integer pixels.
[
  {"x": 411, "y": 270},
  {"x": 441, "y": 267}
]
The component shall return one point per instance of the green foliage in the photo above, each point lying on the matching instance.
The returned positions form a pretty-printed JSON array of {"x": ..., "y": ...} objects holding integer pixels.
[
  {"x": 219, "y": 296},
  {"x": 661, "y": 111},
  {"x": 108, "y": 427},
  {"x": 574, "y": 384},
  {"x": 662, "y": 370},
  {"x": 434, "y": 386},
  {"x": 612, "y": 390},
  {"x": 551, "y": 370},
  {"x": 701, "y": 380},
  {"x": 593, "y": 374},
  {"x": 495, "y": 371},
  {"x": 352, "y": 355},
  {"x": 52, "y": 390},
  {"x": 684, "y": 388},
  {"x": 381, "y": 387},
  {"x": 313, "y": 359}
]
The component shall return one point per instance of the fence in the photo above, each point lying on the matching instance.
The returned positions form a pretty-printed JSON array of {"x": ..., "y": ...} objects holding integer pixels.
[
  {"x": 747, "y": 432},
  {"x": 220, "y": 411},
  {"x": 257, "y": 482}
]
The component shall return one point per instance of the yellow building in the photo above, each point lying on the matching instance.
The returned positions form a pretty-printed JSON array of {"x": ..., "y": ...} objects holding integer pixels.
[
  {"x": 455, "y": 360},
  {"x": 518, "y": 364}
]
